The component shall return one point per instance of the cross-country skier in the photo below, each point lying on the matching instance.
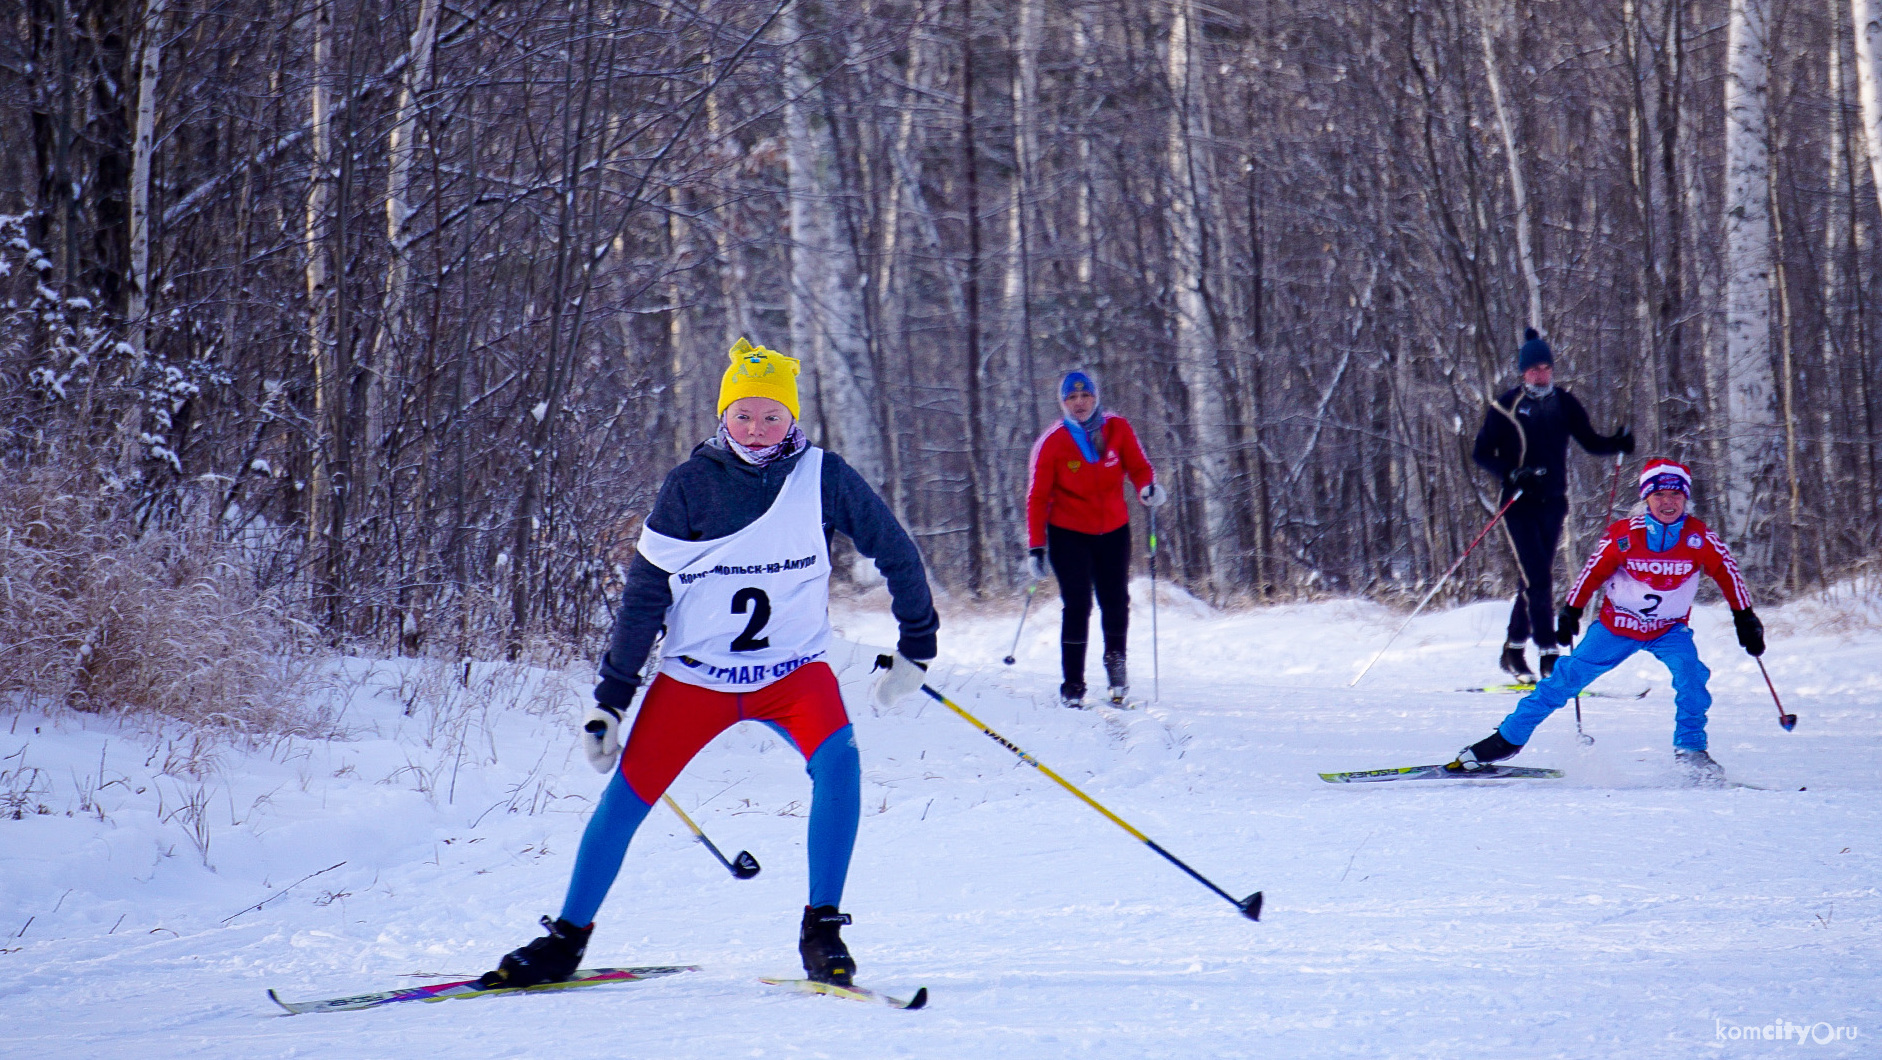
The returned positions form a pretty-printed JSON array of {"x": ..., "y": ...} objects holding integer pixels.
[
  {"x": 734, "y": 561},
  {"x": 1076, "y": 521},
  {"x": 1648, "y": 570},
  {"x": 1524, "y": 442}
]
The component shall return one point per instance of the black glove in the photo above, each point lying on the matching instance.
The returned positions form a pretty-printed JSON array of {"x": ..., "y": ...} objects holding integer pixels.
[
  {"x": 1036, "y": 564},
  {"x": 1567, "y": 625},
  {"x": 1527, "y": 479},
  {"x": 1750, "y": 631},
  {"x": 1623, "y": 440}
]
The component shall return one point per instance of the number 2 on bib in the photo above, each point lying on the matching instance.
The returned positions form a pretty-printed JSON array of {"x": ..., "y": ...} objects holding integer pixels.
[{"x": 754, "y": 600}]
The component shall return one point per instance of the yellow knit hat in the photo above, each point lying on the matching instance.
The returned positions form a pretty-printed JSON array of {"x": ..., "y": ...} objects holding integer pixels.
[{"x": 758, "y": 372}]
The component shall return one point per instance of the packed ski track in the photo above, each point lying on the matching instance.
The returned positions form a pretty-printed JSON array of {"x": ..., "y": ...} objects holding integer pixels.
[{"x": 156, "y": 888}]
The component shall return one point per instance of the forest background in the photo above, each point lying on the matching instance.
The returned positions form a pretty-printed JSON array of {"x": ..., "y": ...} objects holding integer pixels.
[{"x": 374, "y": 324}]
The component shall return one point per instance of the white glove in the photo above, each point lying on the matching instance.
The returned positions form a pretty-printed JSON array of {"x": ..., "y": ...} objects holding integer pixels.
[
  {"x": 601, "y": 737},
  {"x": 1036, "y": 564},
  {"x": 1153, "y": 496},
  {"x": 900, "y": 676}
]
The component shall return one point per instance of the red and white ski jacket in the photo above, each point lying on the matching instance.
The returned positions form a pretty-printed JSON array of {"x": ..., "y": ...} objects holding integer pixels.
[
  {"x": 1066, "y": 490},
  {"x": 1646, "y": 593}
]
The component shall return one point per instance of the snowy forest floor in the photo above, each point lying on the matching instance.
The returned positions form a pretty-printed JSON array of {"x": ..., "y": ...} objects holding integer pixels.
[{"x": 157, "y": 886}]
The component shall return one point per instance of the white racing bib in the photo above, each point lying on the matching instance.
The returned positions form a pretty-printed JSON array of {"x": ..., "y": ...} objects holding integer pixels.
[{"x": 753, "y": 606}]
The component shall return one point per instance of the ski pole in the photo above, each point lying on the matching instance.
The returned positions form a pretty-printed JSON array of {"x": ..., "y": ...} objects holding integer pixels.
[
  {"x": 744, "y": 866},
  {"x": 1435, "y": 586},
  {"x": 1250, "y": 906},
  {"x": 1011, "y": 655},
  {"x": 1614, "y": 485},
  {"x": 1156, "y": 671},
  {"x": 1786, "y": 721}
]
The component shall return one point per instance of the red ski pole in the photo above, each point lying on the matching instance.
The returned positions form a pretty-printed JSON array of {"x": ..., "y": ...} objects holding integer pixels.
[
  {"x": 1788, "y": 721},
  {"x": 1614, "y": 488},
  {"x": 1487, "y": 527}
]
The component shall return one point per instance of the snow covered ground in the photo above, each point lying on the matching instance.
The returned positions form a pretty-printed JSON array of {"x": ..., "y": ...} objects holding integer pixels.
[{"x": 153, "y": 888}]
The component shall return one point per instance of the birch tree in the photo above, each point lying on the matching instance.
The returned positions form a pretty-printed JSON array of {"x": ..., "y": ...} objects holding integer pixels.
[
  {"x": 401, "y": 147},
  {"x": 1867, "y": 17},
  {"x": 827, "y": 325},
  {"x": 1195, "y": 333},
  {"x": 1746, "y": 229}
]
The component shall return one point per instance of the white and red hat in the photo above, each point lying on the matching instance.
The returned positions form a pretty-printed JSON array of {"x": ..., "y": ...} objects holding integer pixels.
[{"x": 1663, "y": 474}]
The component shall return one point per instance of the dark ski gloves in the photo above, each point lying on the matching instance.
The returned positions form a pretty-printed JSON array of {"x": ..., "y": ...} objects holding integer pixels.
[
  {"x": 1036, "y": 564},
  {"x": 1623, "y": 440},
  {"x": 1527, "y": 479},
  {"x": 1750, "y": 631},
  {"x": 1567, "y": 625}
]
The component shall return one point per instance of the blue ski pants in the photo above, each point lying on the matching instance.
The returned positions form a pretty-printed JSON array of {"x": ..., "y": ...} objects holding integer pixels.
[
  {"x": 1600, "y": 651},
  {"x": 674, "y": 722}
]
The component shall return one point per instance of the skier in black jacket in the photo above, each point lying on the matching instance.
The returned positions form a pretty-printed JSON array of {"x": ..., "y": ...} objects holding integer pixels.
[{"x": 1524, "y": 442}]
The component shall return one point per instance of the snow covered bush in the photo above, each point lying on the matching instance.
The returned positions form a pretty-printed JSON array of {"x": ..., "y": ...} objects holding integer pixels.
[{"x": 100, "y": 616}]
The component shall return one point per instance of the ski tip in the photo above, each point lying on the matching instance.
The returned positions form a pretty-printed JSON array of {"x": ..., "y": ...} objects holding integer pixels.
[
  {"x": 1251, "y": 906},
  {"x": 920, "y": 1000}
]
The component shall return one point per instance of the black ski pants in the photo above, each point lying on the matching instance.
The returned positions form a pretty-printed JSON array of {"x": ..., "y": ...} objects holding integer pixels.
[
  {"x": 1086, "y": 564},
  {"x": 1535, "y": 531}
]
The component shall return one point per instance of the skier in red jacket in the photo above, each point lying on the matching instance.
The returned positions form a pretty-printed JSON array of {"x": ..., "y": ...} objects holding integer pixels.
[
  {"x": 1648, "y": 569},
  {"x": 1077, "y": 521}
]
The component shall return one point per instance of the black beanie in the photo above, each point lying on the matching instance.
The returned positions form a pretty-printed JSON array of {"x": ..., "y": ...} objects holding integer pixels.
[{"x": 1534, "y": 352}]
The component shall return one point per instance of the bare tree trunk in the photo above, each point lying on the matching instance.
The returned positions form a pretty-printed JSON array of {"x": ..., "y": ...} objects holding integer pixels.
[
  {"x": 138, "y": 286},
  {"x": 1835, "y": 243},
  {"x": 1750, "y": 420},
  {"x": 827, "y": 323},
  {"x": 970, "y": 296},
  {"x": 1017, "y": 394},
  {"x": 320, "y": 330},
  {"x": 400, "y": 151},
  {"x": 149, "y": 70},
  {"x": 1196, "y": 345},
  {"x": 1519, "y": 188},
  {"x": 1082, "y": 190},
  {"x": 1867, "y": 17}
]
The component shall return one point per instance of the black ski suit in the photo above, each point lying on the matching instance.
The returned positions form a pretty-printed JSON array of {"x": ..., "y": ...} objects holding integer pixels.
[{"x": 1525, "y": 432}]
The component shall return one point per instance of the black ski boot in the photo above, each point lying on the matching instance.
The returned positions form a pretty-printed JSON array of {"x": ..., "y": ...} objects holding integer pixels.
[
  {"x": 1072, "y": 695},
  {"x": 826, "y": 959},
  {"x": 1515, "y": 665},
  {"x": 1118, "y": 675},
  {"x": 1699, "y": 768},
  {"x": 1492, "y": 748},
  {"x": 1546, "y": 664},
  {"x": 549, "y": 959}
]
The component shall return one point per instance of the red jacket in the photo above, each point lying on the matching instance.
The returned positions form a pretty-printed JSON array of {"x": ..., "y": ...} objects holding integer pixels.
[
  {"x": 1066, "y": 490},
  {"x": 1647, "y": 593}
]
